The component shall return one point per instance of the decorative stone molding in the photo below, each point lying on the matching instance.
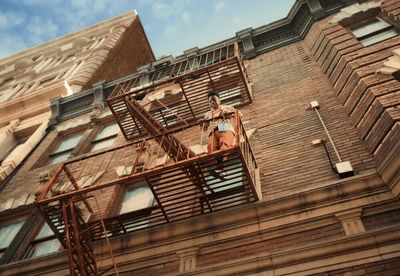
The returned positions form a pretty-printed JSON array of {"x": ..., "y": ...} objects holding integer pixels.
[
  {"x": 20, "y": 152},
  {"x": 187, "y": 259},
  {"x": 392, "y": 64},
  {"x": 351, "y": 221},
  {"x": 248, "y": 46},
  {"x": 55, "y": 111},
  {"x": 163, "y": 61},
  {"x": 98, "y": 102},
  {"x": 349, "y": 11},
  {"x": 316, "y": 9},
  {"x": 192, "y": 52},
  {"x": 255, "y": 41}
]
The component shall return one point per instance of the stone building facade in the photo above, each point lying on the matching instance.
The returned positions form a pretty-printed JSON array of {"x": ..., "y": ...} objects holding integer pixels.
[
  {"x": 62, "y": 67},
  {"x": 319, "y": 94}
]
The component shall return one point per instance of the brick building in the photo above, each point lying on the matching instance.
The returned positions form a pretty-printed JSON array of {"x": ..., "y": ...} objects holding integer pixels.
[{"x": 123, "y": 181}]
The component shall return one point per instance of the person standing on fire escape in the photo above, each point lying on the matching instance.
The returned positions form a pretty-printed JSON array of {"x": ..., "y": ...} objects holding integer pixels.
[{"x": 221, "y": 133}]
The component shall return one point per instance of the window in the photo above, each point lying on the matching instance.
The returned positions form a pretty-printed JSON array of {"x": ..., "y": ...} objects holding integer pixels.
[
  {"x": 64, "y": 148},
  {"x": 227, "y": 177},
  {"x": 44, "y": 243},
  {"x": 8, "y": 231},
  {"x": 105, "y": 137},
  {"x": 137, "y": 198},
  {"x": 372, "y": 31}
]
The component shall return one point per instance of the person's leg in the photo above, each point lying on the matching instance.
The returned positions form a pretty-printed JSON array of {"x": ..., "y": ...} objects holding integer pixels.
[
  {"x": 213, "y": 142},
  {"x": 213, "y": 145},
  {"x": 227, "y": 140}
]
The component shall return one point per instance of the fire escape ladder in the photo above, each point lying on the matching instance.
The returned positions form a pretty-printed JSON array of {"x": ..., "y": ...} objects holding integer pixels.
[
  {"x": 170, "y": 144},
  {"x": 78, "y": 241},
  {"x": 65, "y": 218},
  {"x": 183, "y": 184}
]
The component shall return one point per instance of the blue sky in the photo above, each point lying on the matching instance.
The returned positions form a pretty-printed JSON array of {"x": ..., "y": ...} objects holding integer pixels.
[{"x": 172, "y": 26}]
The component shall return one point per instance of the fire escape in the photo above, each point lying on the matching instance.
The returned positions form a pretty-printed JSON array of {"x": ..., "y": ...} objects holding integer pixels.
[{"x": 158, "y": 112}]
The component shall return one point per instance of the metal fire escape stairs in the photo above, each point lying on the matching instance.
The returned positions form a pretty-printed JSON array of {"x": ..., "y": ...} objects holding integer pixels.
[
  {"x": 67, "y": 214},
  {"x": 170, "y": 144}
]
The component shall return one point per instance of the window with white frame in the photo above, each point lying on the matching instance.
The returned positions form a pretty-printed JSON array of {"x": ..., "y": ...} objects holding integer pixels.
[
  {"x": 64, "y": 148},
  {"x": 373, "y": 30},
  {"x": 8, "y": 231},
  {"x": 44, "y": 243},
  {"x": 105, "y": 137}
]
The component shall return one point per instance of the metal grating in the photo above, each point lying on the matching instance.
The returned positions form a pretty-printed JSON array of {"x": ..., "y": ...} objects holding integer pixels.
[{"x": 184, "y": 86}]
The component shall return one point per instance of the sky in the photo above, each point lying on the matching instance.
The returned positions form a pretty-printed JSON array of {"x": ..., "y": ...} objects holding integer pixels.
[{"x": 171, "y": 26}]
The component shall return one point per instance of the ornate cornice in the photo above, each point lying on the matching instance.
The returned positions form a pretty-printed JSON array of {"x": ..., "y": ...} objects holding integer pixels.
[{"x": 252, "y": 42}]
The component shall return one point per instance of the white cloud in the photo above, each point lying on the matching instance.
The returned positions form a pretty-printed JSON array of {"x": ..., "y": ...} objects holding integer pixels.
[
  {"x": 165, "y": 10},
  {"x": 162, "y": 10},
  {"x": 42, "y": 30},
  {"x": 41, "y": 2},
  {"x": 171, "y": 30},
  {"x": 219, "y": 6},
  {"x": 11, "y": 19},
  {"x": 186, "y": 17}
]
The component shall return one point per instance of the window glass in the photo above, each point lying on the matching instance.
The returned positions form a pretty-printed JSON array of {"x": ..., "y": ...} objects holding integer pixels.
[
  {"x": 45, "y": 232},
  {"x": 106, "y": 131},
  {"x": 8, "y": 232},
  {"x": 44, "y": 243},
  {"x": 378, "y": 37},
  {"x": 373, "y": 31},
  {"x": 231, "y": 175},
  {"x": 366, "y": 28},
  {"x": 58, "y": 158},
  {"x": 64, "y": 148},
  {"x": 103, "y": 144},
  {"x": 105, "y": 137},
  {"x": 137, "y": 198},
  {"x": 45, "y": 247},
  {"x": 68, "y": 142}
]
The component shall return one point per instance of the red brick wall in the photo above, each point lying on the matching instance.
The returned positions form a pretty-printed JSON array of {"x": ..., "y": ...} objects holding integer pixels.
[
  {"x": 371, "y": 100},
  {"x": 284, "y": 83},
  {"x": 384, "y": 219},
  {"x": 269, "y": 245},
  {"x": 390, "y": 267},
  {"x": 170, "y": 268},
  {"x": 131, "y": 52}
]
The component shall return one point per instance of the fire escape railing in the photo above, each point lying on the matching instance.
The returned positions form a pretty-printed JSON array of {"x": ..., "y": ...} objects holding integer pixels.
[
  {"x": 184, "y": 180},
  {"x": 182, "y": 186},
  {"x": 190, "y": 80}
]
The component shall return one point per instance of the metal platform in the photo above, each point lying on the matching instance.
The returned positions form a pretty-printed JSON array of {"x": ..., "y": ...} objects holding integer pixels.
[
  {"x": 176, "y": 94},
  {"x": 184, "y": 184}
]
